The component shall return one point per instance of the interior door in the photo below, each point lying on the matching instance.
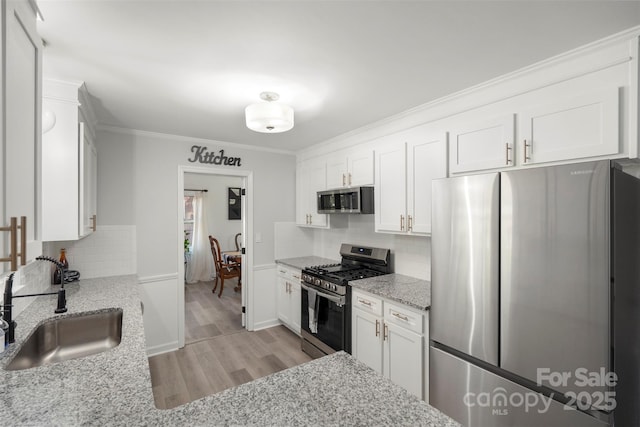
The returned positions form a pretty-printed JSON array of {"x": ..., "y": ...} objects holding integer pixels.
[{"x": 555, "y": 272}]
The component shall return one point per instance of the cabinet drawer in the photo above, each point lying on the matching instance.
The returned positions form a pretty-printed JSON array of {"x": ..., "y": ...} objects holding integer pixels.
[
  {"x": 291, "y": 274},
  {"x": 403, "y": 317},
  {"x": 367, "y": 303}
]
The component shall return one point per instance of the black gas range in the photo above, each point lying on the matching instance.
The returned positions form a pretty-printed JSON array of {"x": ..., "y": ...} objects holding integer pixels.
[{"x": 326, "y": 327}]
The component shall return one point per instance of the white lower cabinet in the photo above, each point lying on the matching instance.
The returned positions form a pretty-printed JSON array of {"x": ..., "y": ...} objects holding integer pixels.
[
  {"x": 289, "y": 294},
  {"x": 390, "y": 339}
]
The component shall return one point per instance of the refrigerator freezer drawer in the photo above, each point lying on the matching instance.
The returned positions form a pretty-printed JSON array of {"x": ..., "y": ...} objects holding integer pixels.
[
  {"x": 476, "y": 397},
  {"x": 465, "y": 264}
]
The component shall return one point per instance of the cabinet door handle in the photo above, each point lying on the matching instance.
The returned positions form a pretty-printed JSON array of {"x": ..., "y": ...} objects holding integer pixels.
[
  {"x": 13, "y": 239},
  {"x": 349, "y": 178},
  {"x": 94, "y": 222},
  {"x": 386, "y": 332},
  {"x": 401, "y": 222},
  {"x": 377, "y": 328},
  {"x": 343, "y": 180},
  {"x": 409, "y": 223},
  {"x": 364, "y": 302},
  {"x": 400, "y": 316},
  {"x": 508, "y": 152},
  {"x": 527, "y": 149}
]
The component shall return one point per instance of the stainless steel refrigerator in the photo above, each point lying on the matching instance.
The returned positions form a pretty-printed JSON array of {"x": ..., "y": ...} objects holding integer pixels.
[{"x": 535, "y": 315}]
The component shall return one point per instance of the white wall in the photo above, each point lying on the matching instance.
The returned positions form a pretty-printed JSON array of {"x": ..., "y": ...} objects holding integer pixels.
[
  {"x": 139, "y": 186},
  {"x": 410, "y": 255},
  {"x": 218, "y": 222}
]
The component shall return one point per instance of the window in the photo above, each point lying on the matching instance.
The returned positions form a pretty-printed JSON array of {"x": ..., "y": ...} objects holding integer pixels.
[{"x": 189, "y": 219}]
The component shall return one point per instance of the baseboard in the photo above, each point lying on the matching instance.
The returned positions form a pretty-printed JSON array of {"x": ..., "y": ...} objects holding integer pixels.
[
  {"x": 266, "y": 324},
  {"x": 163, "y": 348},
  {"x": 158, "y": 278}
]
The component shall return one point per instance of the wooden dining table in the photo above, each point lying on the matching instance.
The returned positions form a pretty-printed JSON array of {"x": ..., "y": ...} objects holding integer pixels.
[{"x": 229, "y": 257}]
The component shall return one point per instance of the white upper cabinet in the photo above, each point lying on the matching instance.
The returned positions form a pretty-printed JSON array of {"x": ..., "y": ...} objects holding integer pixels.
[
  {"x": 311, "y": 178},
  {"x": 554, "y": 124},
  {"x": 406, "y": 163},
  {"x": 21, "y": 125},
  {"x": 69, "y": 168},
  {"x": 390, "y": 196},
  {"x": 426, "y": 161},
  {"x": 350, "y": 168},
  {"x": 485, "y": 144},
  {"x": 572, "y": 127}
]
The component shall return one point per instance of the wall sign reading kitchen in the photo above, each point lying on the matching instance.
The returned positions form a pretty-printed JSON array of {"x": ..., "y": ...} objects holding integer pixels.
[{"x": 202, "y": 155}]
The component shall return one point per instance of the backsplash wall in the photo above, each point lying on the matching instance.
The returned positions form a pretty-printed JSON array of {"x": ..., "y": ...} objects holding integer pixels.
[
  {"x": 410, "y": 255},
  {"x": 109, "y": 251}
]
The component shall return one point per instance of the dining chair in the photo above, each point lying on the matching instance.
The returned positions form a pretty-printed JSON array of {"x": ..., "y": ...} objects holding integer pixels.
[
  {"x": 238, "y": 239},
  {"x": 223, "y": 270}
]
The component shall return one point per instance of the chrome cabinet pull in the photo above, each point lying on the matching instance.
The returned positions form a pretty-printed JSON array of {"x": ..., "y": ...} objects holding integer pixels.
[
  {"x": 343, "y": 180},
  {"x": 386, "y": 332},
  {"x": 377, "y": 328},
  {"x": 508, "y": 151},
  {"x": 527, "y": 154},
  {"x": 365, "y": 302},
  {"x": 401, "y": 222},
  {"x": 409, "y": 223},
  {"x": 400, "y": 316},
  {"x": 349, "y": 178}
]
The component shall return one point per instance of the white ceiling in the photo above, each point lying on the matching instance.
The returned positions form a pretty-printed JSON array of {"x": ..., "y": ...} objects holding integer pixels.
[{"x": 191, "y": 67}]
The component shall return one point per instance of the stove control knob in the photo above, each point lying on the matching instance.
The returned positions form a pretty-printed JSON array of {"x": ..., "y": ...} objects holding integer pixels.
[
  {"x": 317, "y": 282},
  {"x": 334, "y": 288}
]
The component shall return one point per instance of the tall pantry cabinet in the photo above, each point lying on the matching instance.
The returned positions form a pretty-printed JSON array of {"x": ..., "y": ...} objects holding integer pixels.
[{"x": 20, "y": 124}]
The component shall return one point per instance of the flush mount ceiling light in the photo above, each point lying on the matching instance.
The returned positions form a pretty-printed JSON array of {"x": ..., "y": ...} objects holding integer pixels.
[{"x": 269, "y": 116}]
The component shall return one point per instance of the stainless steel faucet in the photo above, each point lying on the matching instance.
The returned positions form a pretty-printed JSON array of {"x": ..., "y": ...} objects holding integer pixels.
[{"x": 9, "y": 336}]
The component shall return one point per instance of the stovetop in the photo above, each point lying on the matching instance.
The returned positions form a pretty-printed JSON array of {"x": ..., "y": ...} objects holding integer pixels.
[{"x": 358, "y": 262}]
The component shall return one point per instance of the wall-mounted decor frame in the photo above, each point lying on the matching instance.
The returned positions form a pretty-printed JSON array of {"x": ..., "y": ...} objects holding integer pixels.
[{"x": 235, "y": 203}]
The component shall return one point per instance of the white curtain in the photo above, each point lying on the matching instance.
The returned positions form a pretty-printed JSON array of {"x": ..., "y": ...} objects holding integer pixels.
[{"x": 200, "y": 268}]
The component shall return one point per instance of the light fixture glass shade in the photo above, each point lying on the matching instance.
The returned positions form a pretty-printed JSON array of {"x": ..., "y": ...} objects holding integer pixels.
[
  {"x": 269, "y": 117},
  {"x": 48, "y": 120}
]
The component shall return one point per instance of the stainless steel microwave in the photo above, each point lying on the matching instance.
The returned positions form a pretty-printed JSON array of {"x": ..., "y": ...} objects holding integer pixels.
[{"x": 355, "y": 200}]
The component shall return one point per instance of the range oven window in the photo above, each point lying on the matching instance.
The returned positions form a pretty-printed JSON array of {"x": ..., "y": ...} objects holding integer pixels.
[{"x": 334, "y": 322}]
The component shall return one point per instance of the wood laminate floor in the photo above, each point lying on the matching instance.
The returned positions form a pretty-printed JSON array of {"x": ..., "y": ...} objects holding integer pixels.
[{"x": 219, "y": 353}]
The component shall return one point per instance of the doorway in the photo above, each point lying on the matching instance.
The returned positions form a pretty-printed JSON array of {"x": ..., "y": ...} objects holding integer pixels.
[{"x": 212, "y": 315}]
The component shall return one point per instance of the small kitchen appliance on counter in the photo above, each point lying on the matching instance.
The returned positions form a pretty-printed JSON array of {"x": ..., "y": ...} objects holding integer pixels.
[{"x": 326, "y": 328}]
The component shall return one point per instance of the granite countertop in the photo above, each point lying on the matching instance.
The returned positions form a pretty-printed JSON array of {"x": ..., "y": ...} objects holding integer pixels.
[
  {"x": 399, "y": 288},
  {"x": 306, "y": 261},
  {"x": 114, "y": 387}
]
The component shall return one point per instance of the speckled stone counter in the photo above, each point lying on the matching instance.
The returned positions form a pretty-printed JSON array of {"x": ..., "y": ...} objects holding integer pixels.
[
  {"x": 114, "y": 387},
  {"x": 108, "y": 388},
  {"x": 306, "y": 261},
  {"x": 397, "y": 287},
  {"x": 330, "y": 391}
]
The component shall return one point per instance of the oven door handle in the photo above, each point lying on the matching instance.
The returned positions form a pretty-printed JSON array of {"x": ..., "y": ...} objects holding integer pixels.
[{"x": 337, "y": 300}]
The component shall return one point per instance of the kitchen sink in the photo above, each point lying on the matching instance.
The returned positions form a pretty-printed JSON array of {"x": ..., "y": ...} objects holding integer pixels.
[{"x": 66, "y": 338}]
